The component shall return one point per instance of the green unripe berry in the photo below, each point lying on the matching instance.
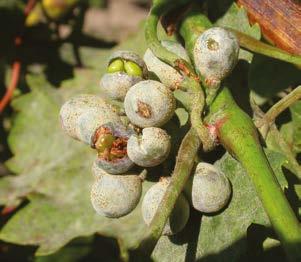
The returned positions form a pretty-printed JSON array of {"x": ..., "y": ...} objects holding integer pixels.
[
  {"x": 116, "y": 66},
  {"x": 132, "y": 69},
  {"x": 151, "y": 201},
  {"x": 115, "y": 84}
]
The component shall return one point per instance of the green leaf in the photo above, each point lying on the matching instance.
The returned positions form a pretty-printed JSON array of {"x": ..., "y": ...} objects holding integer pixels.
[
  {"x": 182, "y": 115},
  {"x": 236, "y": 18},
  {"x": 220, "y": 237},
  {"x": 277, "y": 161}
]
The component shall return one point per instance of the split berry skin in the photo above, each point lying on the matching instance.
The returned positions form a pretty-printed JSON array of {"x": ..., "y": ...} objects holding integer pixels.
[
  {"x": 215, "y": 54},
  {"x": 149, "y": 149},
  {"x": 125, "y": 68},
  {"x": 209, "y": 189},
  {"x": 169, "y": 76},
  {"x": 83, "y": 114},
  {"x": 110, "y": 140},
  {"x": 151, "y": 201},
  {"x": 115, "y": 196},
  {"x": 149, "y": 103}
]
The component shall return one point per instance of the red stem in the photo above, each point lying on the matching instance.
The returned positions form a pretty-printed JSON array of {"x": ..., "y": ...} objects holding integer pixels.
[{"x": 16, "y": 67}]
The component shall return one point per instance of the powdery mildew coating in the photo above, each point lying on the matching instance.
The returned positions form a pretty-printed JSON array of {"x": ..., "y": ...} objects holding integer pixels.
[
  {"x": 167, "y": 74},
  {"x": 149, "y": 103},
  {"x": 83, "y": 114},
  {"x": 179, "y": 216},
  {"x": 149, "y": 149},
  {"x": 116, "y": 195},
  {"x": 119, "y": 165},
  {"x": 211, "y": 189},
  {"x": 97, "y": 171},
  {"x": 116, "y": 85},
  {"x": 215, "y": 54}
]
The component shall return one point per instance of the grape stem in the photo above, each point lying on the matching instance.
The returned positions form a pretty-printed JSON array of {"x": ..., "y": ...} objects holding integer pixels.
[
  {"x": 279, "y": 107},
  {"x": 185, "y": 160},
  {"x": 237, "y": 133}
]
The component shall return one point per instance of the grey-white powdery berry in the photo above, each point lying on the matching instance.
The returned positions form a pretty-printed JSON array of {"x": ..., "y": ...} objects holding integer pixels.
[
  {"x": 178, "y": 217},
  {"x": 149, "y": 103},
  {"x": 116, "y": 195},
  {"x": 83, "y": 114},
  {"x": 149, "y": 149},
  {"x": 169, "y": 76},
  {"x": 215, "y": 54},
  {"x": 210, "y": 190},
  {"x": 125, "y": 68}
]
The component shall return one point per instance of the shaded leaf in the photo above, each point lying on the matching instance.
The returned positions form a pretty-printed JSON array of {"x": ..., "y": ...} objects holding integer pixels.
[{"x": 269, "y": 76}]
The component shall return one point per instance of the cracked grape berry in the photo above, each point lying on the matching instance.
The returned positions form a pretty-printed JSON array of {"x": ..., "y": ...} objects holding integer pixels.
[
  {"x": 149, "y": 103},
  {"x": 215, "y": 54},
  {"x": 179, "y": 215},
  {"x": 125, "y": 68},
  {"x": 149, "y": 149},
  {"x": 83, "y": 114},
  {"x": 110, "y": 140},
  {"x": 115, "y": 195},
  {"x": 169, "y": 76},
  {"x": 210, "y": 190}
]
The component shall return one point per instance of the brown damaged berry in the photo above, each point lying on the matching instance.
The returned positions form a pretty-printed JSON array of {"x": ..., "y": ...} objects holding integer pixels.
[
  {"x": 110, "y": 141},
  {"x": 108, "y": 146}
]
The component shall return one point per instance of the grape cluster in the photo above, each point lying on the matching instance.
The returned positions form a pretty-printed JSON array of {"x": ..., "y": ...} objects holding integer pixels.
[{"x": 137, "y": 136}]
